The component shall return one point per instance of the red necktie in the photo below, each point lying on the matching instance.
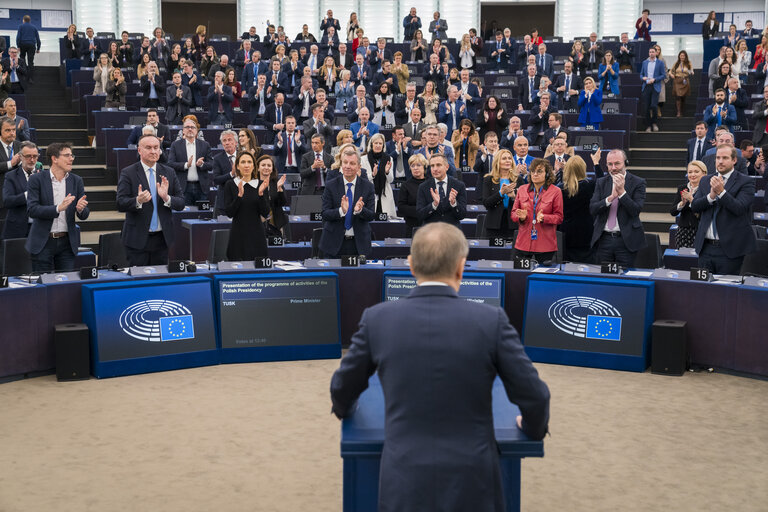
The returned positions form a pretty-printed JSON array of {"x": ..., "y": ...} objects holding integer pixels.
[{"x": 290, "y": 150}]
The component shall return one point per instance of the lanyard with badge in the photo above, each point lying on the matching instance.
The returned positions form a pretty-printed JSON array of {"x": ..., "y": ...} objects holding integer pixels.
[{"x": 536, "y": 198}]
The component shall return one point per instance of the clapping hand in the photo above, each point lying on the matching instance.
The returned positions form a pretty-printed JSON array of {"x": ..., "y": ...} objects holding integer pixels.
[
  {"x": 263, "y": 186},
  {"x": 359, "y": 205},
  {"x": 162, "y": 189},
  {"x": 280, "y": 183},
  {"x": 375, "y": 170},
  {"x": 240, "y": 188},
  {"x": 717, "y": 184},
  {"x": 521, "y": 214},
  {"x": 143, "y": 196},
  {"x": 65, "y": 203},
  {"x": 686, "y": 195},
  {"x": 540, "y": 217},
  {"x": 344, "y": 204},
  {"x": 81, "y": 204},
  {"x": 435, "y": 197},
  {"x": 452, "y": 196}
]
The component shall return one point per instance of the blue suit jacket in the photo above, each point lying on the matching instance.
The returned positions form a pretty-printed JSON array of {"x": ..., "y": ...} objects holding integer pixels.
[
  {"x": 454, "y": 350},
  {"x": 613, "y": 80},
  {"x": 590, "y": 112},
  {"x": 658, "y": 74},
  {"x": 711, "y": 119},
  {"x": 333, "y": 222},
  {"x": 444, "y": 212},
  {"x": 496, "y": 57},
  {"x": 137, "y": 220},
  {"x": 194, "y": 87},
  {"x": 226, "y": 102},
  {"x": 17, "y": 220},
  {"x": 373, "y": 129},
  {"x": 281, "y": 153},
  {"x": 248, "y": 73},
  {"x": 42, "y": 211},
  {"x": 471, "y": 103},
  {"x": 283, "y": 82},
  {"x": 628, "y": 214},
  {"x": 177, "y": 157},
  {"x": 734, "y": 216},
  {"x": 548, "y": 69},
  {"x": 444, "y": 116},
  {"x": 691, "y": 145}
]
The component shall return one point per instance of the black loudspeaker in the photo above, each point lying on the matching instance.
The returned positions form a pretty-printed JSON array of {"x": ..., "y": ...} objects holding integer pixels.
[
  {"x": 669, "y": 352},
  {"x": 73, "y": 355}
]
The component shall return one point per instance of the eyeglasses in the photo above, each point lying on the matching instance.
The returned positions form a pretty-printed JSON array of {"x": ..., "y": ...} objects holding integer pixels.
[
  {"x": 67, "y": 155},
  {"x": 34, "y": 157}
]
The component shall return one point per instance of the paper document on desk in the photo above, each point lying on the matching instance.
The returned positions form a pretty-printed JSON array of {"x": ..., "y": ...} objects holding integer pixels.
[
  {"x": 638, "y": 273},
  {"x": 288, "y": 265}
]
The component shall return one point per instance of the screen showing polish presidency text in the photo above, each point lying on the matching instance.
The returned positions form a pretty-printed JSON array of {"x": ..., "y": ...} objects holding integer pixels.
[
  {"x": 279, "y": 312},
  {"x": 485, "y": 289},
  {"x": 585, "y": 316},
  {"x": 146, "y": 321}
]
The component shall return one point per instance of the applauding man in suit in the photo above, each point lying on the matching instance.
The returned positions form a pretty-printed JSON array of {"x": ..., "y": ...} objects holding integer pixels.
[
  {"x": 315, "y": 167},
  {"x": 348, "y": 208},
  {"x": 147, "y": 192},
  {"x": 53, "y": 200},
  {"x": 441, "y": 198}
]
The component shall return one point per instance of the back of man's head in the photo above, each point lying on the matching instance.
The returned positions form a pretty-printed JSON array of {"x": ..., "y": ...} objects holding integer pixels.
[{"x": 436, "y": 251}]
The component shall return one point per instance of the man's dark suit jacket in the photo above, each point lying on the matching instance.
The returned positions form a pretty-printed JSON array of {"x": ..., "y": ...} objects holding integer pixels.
[
  {"x": 408, "y": 151},
  {"x": 261, "y": 68},
  {"x": 740, "y": 103},
  {"x": 524, "y": 86},
  {"x": 548, "y": 69},
  {"x": 175, "y": 106},
  {"x": 145, "y": 89},
  {"x": 17, "y": 220},
  {"x": 709, "y": 161},
  {"x": 137, "y": 220},
  {"x": 5, "y": 162},
  {"x": 444, "y": 212},
  {"x": 177, "y": 157},
  {"x": 691, "y": 146},
  {"x": 333, "y": 222},
  {"x": 575, "y": 85},
  {"x": 628, "y": 214},
  {"x": 281, "y": 152},
  {"x": 283, "y": 83},
  {"x": 42, "y": 211},
  {"x": 500, "y": 59},
  {"x": 255, "y": 101},
  {"x": 194, "y": 88},
  {"x": 549, "y": 133},
  {"x": 326, "y": 130},
  {"x": 222, "y": 168},
  {"x": 374, "y": 60},
  {"x": 352, "y": 107},
  {"x": 270, "y": 119},
  {"x": 309, "y": 175},
  {"x": 454, "y": 350},
  {"x": 734, "y": 215},
  {"x": 349, "y": 61},
  {"x": 759, "y": 118},
  {"x": 226, "y": 102},
  {"x": 401, "y": 114},
  {"x": 162, "y": 131}
]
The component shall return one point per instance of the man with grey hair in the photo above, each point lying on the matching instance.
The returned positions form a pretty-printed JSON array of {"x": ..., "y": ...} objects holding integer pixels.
[
  {"x": 616, "y": 205},
  {"x": 220, "y": 101},
  {"x": 15, "y": 192},
  {"x": 348, "y": 208},
  {"x": 441, "y": 198},
  {"x": 433, "y": 143},
  {"x": 452, "y": 111},
  {"x": 224, "y": 167},
  {"x": 723, "y": 137},
  {"x": 437, "y": 364},
  {"x": 404, "y": 105},
  {"x": 222, "y": 66},
  {"x": 22, "y": 124}
]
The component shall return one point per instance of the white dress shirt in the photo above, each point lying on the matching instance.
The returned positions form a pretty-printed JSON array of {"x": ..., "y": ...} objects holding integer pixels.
[
  {"x": 710, "y": 232},
  {"x": 59, "y": 224},
  {"x": 192, "y": 152}
]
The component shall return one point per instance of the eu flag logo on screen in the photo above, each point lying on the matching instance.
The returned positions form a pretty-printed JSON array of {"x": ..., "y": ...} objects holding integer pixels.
[
  {"x": 604, "y": 327},
  {"x": 176, "y": 328}
]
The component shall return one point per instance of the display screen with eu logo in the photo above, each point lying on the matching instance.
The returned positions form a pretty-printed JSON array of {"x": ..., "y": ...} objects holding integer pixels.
[
  {"x": 588, "y": 321},
  {"x": 150, "y": 325}
]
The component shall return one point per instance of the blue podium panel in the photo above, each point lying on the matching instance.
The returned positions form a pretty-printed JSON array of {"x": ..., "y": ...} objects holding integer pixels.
[
  {"x": 278, "y": 316},
  {"x": 485, "y": 288},
  {"x": 588, "y": 321},
  {"x": 149, "y": 325},
  {"x": 362, "y": 439}
]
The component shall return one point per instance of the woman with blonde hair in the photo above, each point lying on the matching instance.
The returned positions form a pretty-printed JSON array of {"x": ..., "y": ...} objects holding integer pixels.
[
  {"x": 743, "y": 58},
  {"x": 499, "y": 191},
  {"x": 199, "y": 40},
  {"x": 401, "y": 71},
  {"x": 343, "y": 138},
  {"x": 328, "y": 74},
  {"x": 72, "y": 42},
  {"x": 687, "y": 221},
  {"x": 352, "y": 25},
  {"x": 759, "y": 57},
  {"x": 466, "y": 53},
  {"x": 577, "y": 223},
  {"x": 431, "y": 102},
  {"x": 116, "y": 89},
  {"x": 102, "y": 74}
]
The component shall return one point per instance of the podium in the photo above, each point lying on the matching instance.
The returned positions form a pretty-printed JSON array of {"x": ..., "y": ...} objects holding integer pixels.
[{"x": 362, "y": 439}]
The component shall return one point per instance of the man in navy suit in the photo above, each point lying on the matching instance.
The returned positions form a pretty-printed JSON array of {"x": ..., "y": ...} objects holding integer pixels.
[
  {"x": 359, "y": 102},
  {"x": 652, "y": 75},
  {"x": 698, "y": 145},
  {"x": 441, "y": 198},
  {"x": 544, "y": 62},
  {"x": 724, "y": 201},
  {"x": 315, "y": 168},
  {"x": 433, "y": 145},
  {"x": 15, "y": 192},
  {"x": 190, "y": 157},
  {"x": 259, "y": 96},
  {"x": 469, "y": 94},
  {"x": 242, "y": 58},
  {"x": 379, "y": 55},
  {"x": 10, "y": 156},
  {"x": 89, "y": 49},
  {"x": 404, "y": 104},
  {"x": 161, "y": 130},
  {"x": 498, "y": 53},
  {"x": 191, "y": 79},
  {"x": 616, "y": 205},
  {"x": 452, "y": 111},
  {"x": 278, "y": 80},
  {"x": 53, "y": 200},
  {"x": 147, "y": 192},
  {"x": 363, "y": 129},
  {"x": 529, "y": 85},
  {"x": 274, "y": 117},
  {"x": 437, "y": 363},
  {"x": 721, "y": 113},
  {"x": 399, "y": 151},
  {"x": 253, "y": 69},
  {"x": 178, "y": 99},
  {"x": 152, "y": 87},
  {"x": 329, "y": 21},
  {"x": 361, "y": 73},
  {"x": 220, "y": 101},
  {"x": 348, "y": 208},
  {"x": 568, "y": 87},
  {"x": 289, "y": 147},
  {"x": 223, "y": 167}
]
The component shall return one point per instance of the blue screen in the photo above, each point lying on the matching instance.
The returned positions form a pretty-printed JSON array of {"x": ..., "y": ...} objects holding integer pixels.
[{"x": 475, "y": 287}]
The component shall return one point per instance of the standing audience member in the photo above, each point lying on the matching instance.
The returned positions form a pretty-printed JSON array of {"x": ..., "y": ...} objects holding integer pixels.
[
  {"x": 652, "y": 75},
  {"x": 190, "y": 157},
  {"x": 275, "y": 220},
  {"x": 710, "y": 27},
  {"x": 499, "y": 191},
  {"x": 719, "y": 114},
  {"x": 28, "y": 41},
  {"x": 315, "y": 169},
  {"x": 15, "y": 188},
  {"x": 116, "y": 89},
  {"x": 411, "y": 24},
  {"x": 101, "y": 74},
  {"x": 376, "y": 165},
  {"x": 681, "y": 74},
  {"x": 609, "y": 74},
  {"x": 72, "y": 43},
  {"x": 438, "y": 27},
  {"x": 407, "y": 197},
  {"x": 643, "y": 26},
  {"x": 22, "y": 124},
  {"x": 760, "y": 116},
  {"x": 577, "y": 223},
  {"x": 538, "y": 210},
  {"x": 687, "y": 221},
  {"x": 441, "y": 198},
  {"x": 224, "y": 167},
  {"x": 590, "y": 101},
  {"x": 626, "y": 54},
  {"x": 178, "y": 100}
]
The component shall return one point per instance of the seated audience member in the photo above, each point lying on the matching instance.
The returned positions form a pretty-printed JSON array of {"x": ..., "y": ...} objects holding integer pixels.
[
  {"x": 529, "y": 84},
  {"x": 315, "y": 168},
  {"x": 687, "y": 222},
  {"x": 115, "y": 90},
  {"x": 260, "y": 97},
  {"x": 609, "y": 74},
  {"x": 348, "y": 208},
  {"x": 544, "y": 61},
  {"x": 538, "y": 210},
  {"x": 719, "y": 114},
  {"x": 276, "y": 219},
  {"x": 749, "y": 154},
  {"x": 224, "y": 167},
  {"x": 190, "y": 157},
  {"x": 499, "y": 189},
  {"x": 433, "y": 144},
  {"x": 359, "y": 102},
  {"x": 376, "y": 166},
  {"x": 162, "y": 131},
  {"x": 246, "y": 141},
  {"x": 465, "y": 142},
  {"x": 725, "y": 233},
  {"x": 626, "y": 56},
  {"x": 408, "y": 195},
  {"x": 289, "y": 147},
  {"x": 363, "y": 129},
  {"x": 178, "y": 100},
  {"x": 399, "y": 150},
  {"x": 568, "y": 87},
  {"x": 513, "y": 131},
  {"x": 590, "y": 101},
  {"x": 17, "y": 221},
  {"x": 441, "y": 198},
  {"x": 577, "y": 223},
  {"x": 616, "y": 204},
  {"x": 739, "y": 99},
  {"x": 486, "y": 153},
  {"x": 220, "y": 101},
  {"x": 492, "y": 117},
  {"x": 699, "y": 144}
]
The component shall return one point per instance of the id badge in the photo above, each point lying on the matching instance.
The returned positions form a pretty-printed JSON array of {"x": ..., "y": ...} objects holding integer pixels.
[{"x": 534, "y": 234}]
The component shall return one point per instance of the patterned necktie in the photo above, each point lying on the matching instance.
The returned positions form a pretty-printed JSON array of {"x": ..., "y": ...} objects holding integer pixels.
[
  {"x": 612, "y": 221},
  {"x": 350, "y": 199},
  {"x": 441, "y": 189},
  {"x": 319, "y": 172},
  {"x": 153, "y": 188}
]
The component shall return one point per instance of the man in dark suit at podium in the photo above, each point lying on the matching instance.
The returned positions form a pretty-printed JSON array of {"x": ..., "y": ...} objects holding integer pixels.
[
  {"x": 348, "y": 208},
  {"x": 147, "y": 192},
  {"x": 724, "y": 201},
  {"x": 616, "y": 204},
  {"x": 437, "y": 364}
]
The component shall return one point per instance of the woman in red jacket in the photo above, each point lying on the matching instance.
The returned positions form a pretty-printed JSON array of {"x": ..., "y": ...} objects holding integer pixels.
[{"x": 538, "y": 210}]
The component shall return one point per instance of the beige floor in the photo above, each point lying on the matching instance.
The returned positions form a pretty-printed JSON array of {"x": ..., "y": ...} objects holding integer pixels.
[{"x": 259, "y": 437}]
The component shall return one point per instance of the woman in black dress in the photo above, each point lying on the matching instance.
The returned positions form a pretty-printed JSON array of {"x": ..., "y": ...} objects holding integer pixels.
[
  {"x": 276, "y": 197},
  {"x": 245, "y": 200},
  {"x": 492, "y": 118},
  {"x": 406, "y": 198},
  {"x": 688, "y": 222},
  {"x": 499, "y": 190},
  {"x": 577, "y": 223}
]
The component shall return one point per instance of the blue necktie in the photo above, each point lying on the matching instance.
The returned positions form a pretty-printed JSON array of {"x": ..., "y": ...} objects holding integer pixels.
[
  {"x": 153, "y": 188},
  {"x": 15, "y": 78},
  {"x": 498, "y": 54},
  {"x": 719, "y": 116},
  {"x": 10, "y": 151},
  {"x": 567, "y": 85},
  {"x": 279, "y": 113},
  {"x": 350, "y": 208}
]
